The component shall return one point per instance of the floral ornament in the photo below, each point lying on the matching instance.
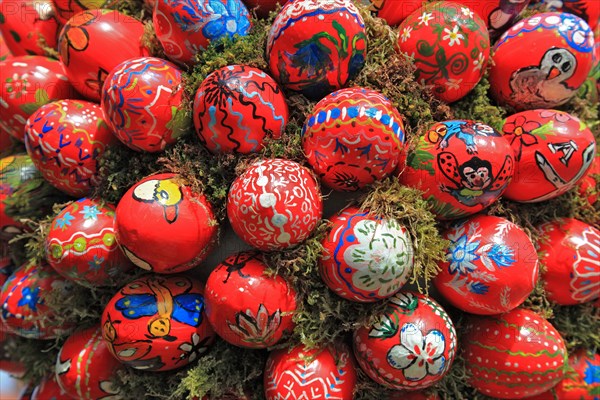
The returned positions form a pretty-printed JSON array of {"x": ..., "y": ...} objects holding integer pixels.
[
  {"x": 407, "y": 302},
  {"x": 425, "y": 18},
  {"x": 466, "y": 11},
  {"x": 64, "y": 221},
  {"x": 479, "y": 62},
  {"x": 591, "y": 374},
  {"x": 384, "y": 328},
  {"x": 417, "y": 355},
  {"x": 453, "y": 36},
  {"x": 30, "y": 298},
  {"x": 194, "y": 348},
  {"x": 90, "y": 212},
  {"x": 558, "y": 116},
  {"x": 406, "y": 33},
  {"x": 17, "y": 85},
  {"x": 462, "y": 253},
  {"x": 520, "y": 129},
  {"x": 453, "y": 83},
  {"x": 96, "y": 263},
  {"x": 500, "y": 254},
  {"x": 112, "y": 392},
  {"x": 256, "y": 329},
  {"x": 75, "y": 36},
  {"x": 227, "y": 19}
]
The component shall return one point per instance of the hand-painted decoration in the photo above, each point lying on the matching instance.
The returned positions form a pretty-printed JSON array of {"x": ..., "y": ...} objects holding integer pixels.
[
  {"x": 588, "y": 10},
  {"x": 317, "y": 46},
  {"x": 82, "y": 245},
  {"x": 491, "y": 266},
  {"x": 65, "y": 139},
  {"x": 450, "y": 46},
  {"x": 5, "y": 52},
  {"x": 247, "y": 307},
  {"x": 28, "y": 25},
  {"x": 327, "y": 373},
  {"x": 274, "y": 205},
  {"x": 85, "y": 367},
  {"x": 461, "y": 166},
  {"x": 65, "y": 9},
  {"x": 29, "y": 82},
  {"x": 164, "y": 227},
  {"x": 570, "y": 250},
  {"x": 392, "y": 11},
  {"x": 237, "y": 107},
  {"x": 365, "y": 258},
  {"x": 514, "y": 355},
  {"x": 93, "y": 42},
  {"x": 185, "y": 28},
  {"x": 142, "y": 102},
  {"x": 23, "y": 309},
  {"x": 48, "y": 389},
  {"x": 411, "y": 346},
  {"x": 157, "y": 323},
  {"x": 498, "y": 15},
  {"x": 553, "y": 151},
  {"x": 353, "y": 138},
  {"x": 541, "y": 61}
]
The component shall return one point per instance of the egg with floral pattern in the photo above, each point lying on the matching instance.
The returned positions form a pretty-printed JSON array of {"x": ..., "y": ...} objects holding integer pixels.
[
  {"x": 392, "y": 11},
  {"x": 497, "y": 14},
  {"x": 28, "y": 26},
  {"x": 588, "y": 10},
  {"x": 65, "y": 9}
]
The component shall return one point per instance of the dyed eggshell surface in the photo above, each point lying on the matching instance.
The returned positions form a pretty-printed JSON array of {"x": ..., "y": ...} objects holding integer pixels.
[
  {"x": 48, "y": 389},
  {"x": 25, "y": 24},
  {"x": 65, "y": 9},
  {"x": 498, "y": 15}
]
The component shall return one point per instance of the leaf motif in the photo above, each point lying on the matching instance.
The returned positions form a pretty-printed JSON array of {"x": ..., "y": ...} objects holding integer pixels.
[
  {"x": 343, "y": 38},
  {"x": 41, "y": 97},
  {"x": 544, "y": 130},
  {"x": 487, "y": 262},
  {"x": 385, "y": 328},
  {"x": 29, "y": 108},
  {"x": 421, "y": 159}
]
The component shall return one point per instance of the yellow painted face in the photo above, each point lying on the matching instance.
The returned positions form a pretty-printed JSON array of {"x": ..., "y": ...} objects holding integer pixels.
[{"x": 167, "y": 192}]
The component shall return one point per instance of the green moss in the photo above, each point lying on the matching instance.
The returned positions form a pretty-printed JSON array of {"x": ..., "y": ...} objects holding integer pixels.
[
  {"x": 38, "y": 356},
  {"x": 579, "y": 325},
  {"x": 149, "y": 385},
  {"x": 151, "y": 42},
  {"x": 477, "y": 106},
  {"x": 137, "y": 9}
]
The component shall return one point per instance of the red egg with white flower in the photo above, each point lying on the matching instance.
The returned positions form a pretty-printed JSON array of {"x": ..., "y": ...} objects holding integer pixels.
[
  {"x": 498, "y": 15},
  {"x": 28, "y": 26}
]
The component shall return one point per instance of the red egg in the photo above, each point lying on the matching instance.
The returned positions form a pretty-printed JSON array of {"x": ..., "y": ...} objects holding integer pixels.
[
  {"x": 65, "y": 9},
  {"x": 450, "y": 45},
  {"x": 93, "y": 42},
  {"x": 48, "y": 389},
  {"x": 513, "y": 355},
  {"x": 236, "y": 108},
  {"x": 164, "y": 227},
  {"x": 81, "y": 244},
  {"x": 461, "y": 166},
  {"x": 570, "y": 250},
  {"x": 6, "y": 269},
  {"x": 553, "y": 151},
  {"x": 365, "y": 258},
  {"x": 541, "y": 61},
  {"x": 317, "y": 46},
  {"x": 27, "y": 24},
  {"x": 353, "y": 138},
  {"x": 498, "y": 15},
  {"x": 29, "y": 82},
  {"x": 588, "y": 10},
  {"x": 157, "y": 323},
  {"x": 26, "y": 392},
  {"x": 65, "y": 140},
  {"x": 263, "y": 7},
  {"x": 411, "y": 346},
  {"x": 83, "y": 352},
  {"x": 275, "y": 204},
  {"x": 393, "y": 11},
  {"x": 491, "y": 266},
  {"x": 5, "y": 52},
  {"x": 588, "y": 185},
  {"x": 142, "y": 103},
  {"x": 247, "y": 307},
  {"x": 327, "y": 373},
  {"x": 584, "y": 384}
]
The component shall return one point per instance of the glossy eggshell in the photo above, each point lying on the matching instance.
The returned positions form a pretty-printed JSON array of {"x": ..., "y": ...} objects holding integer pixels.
[
  {"x": 81, "y": 244},
  {"x": 514, "y": 355},
  {"x": 541, "y": 61},
  {"x": 48, "y": 389},
  {"x": 65, "y": 9},
  {"x": 164, "y": 227},
  {"x": 93, "y": 42},
  {"x": 491, "y": 266},
  {"x": 142, "y": 103},
  {"x": 352, "y": 138},
  {"x": 247, "y": 307},
  {"x": 5, "y": 52},
  {"x": 65, "y": 139},
  {"x": 263, "y": 7},
  {"x": 83, "y": 352},
  {"x": 26, "y": 24},
  {"x": 316, "y": 46},
  {"x": 588, "y": 10},
  {"x": 274, "y": 204},
  {"x": 498, "y": 15},
  {"x": 462, "y": 167},
  {"x": 553, "y": 151},
  {"x": 410, "y": 346},
  {"x": 157, "y": 323},
  {"x": 186, "y": 28},
  {"x": 570, "y": 250},
  {"x": 393, "y": 11},
  {"x": 29, "y": 82},
  {"x": 327, "y": 373},
  {"x": 450, "y": 45},
  {"x": 584, "y": 384},
  {"x": 365, "y": 258}
]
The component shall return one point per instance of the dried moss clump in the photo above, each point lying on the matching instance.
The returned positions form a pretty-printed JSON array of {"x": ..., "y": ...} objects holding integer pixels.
[
  {"x": 477, "y": 105},
  {"x": 579, "y": 325},
  {"x": 38, "y": 356}
]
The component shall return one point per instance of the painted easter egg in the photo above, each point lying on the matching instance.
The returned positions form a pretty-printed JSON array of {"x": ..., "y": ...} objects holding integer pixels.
[
  {"x": 553, "y": 151},
  {"x": 588, "y": 10},
  {"x": 147, "y": 115},
  {"x": 327, "y": 373},
  {"x": 461, "y": 166},
  {"x": 164, "y": 227},
  {"x": 588, "y": 186},
  {"x": 236, "y": 108},
  {"x": 5, "y": 52},
  {"x": 186, "y": 28},
  {"x": 82, "y": 352},
  {"x": 157, "y": 323},
  {"x": 570, "y": 250},
  {"x": 411, "y": 346},
  {"x": 365, "y": 258},
  {"x": 247, "y": 307},
  {"x": 82, "y": 245},
  {"x": 28, "y": 25},
  {"x": 88, "y": 38},
  {"x": 65, "y": 140},
  {"x": 48, "y": 389},
  {"x": 24, "y": 311},
  {"x": 392, "y": 11},
  {"x": 450, "y": 45},
  {"x": 353, "y": 137},
  {"x": 514, "y": 355},
  {"x": 541, "y": 61},
  {"x": 65, "y": 9},
  {"x": 29, "y": 82},
  {"x": 491, "y": 266},
  {"x": 274, "y": 204},
  {"x": 263, "y": 7},
  {"x": 316, "y": 46},
  {"x": 584, "y": 384},
  {"x": 498, "y": 15}
]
